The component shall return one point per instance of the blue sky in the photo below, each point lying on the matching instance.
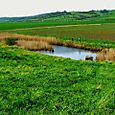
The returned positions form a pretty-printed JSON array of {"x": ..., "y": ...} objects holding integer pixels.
[{"x": 32, "y": 7}]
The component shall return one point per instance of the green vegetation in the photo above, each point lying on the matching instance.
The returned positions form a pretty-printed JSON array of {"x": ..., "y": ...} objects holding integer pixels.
[
  {"x": 100, "y": 36},
  {"x": 104, "y": 31},
  {"x": 59, "y": 18},
  {"x": 106, "y": 15},
  {"x": 32, "y": 83},
  {"x": 18, "y": 25},
  {"x": 10, "y": 41}
]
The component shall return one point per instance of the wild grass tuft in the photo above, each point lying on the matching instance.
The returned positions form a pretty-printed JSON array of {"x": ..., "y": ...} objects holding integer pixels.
[{"x": 106, "y": 54}]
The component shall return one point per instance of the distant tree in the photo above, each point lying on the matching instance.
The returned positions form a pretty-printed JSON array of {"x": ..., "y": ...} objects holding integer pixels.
[
  {"x": 104, "y": 11},
  {"x": 65, "y": 11},
  {"x": 92, "y": 11}
]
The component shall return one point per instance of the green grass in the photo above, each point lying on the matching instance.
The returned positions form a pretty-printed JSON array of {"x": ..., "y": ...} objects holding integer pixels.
[
  {"x": 59, "y": 18},
  {"x": 18, "y": 25},
  {"x": 100, "y": 36},
  {"x": 32, "y": 83},
  {"x": 104, "y": 31}
]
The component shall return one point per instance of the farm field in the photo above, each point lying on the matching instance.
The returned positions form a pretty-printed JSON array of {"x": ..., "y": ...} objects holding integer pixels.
[
  {"x": 100, "y": 36},
  {"x": 32, "y": 83},
  {"x": 101, "y": 32},
  {"x": 19, "y": 25}
]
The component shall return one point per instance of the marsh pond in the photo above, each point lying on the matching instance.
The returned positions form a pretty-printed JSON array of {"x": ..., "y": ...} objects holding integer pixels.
[{"x": 73, "y": 53}]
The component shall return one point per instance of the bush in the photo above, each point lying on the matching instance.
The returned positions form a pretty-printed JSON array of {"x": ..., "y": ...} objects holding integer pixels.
[
  {"x": 10, "y": 41},
  {"x": 69, "y": 43}
]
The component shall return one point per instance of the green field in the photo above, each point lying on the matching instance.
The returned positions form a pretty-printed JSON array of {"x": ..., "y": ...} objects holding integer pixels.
[
  {"x": 32, "y": 83},
  {"x": 101, "y": 32},
  {"x": 58, "y": 18},
  {"x": 100, "y": 36},
  {"x": 18, "y": 25}
]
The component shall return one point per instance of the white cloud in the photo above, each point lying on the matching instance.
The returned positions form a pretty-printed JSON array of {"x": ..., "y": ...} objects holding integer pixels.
[{"x": 31, "y": 7}]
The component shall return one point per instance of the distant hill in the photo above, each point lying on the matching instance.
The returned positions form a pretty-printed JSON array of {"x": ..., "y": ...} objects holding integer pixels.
[{"x": 64, "y": 16}]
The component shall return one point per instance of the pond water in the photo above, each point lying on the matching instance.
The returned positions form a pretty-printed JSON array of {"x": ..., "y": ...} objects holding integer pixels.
[{"x": 73, "y": 53}]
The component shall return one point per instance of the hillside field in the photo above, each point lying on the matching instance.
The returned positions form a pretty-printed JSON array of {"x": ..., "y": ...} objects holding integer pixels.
[{"x": 32, "y": 83}]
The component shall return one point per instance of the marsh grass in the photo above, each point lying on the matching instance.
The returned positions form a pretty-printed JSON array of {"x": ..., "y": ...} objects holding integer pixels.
[
  {"x": 4, "y": 36},
  {"x": 106, "y": 54},
  {"x": 49, "y": 40},
  {"x": 34, "y": 45},
  {"x": 69, "y": 43},
  {"x": 31, "y": 42}
]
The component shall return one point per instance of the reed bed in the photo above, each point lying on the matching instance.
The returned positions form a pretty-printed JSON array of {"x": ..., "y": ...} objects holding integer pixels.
[
  {"x": 50, "y": 40},
  {"x": 106, "y": 55},
  {"x": 34, "y": 45},
  {"x": 70, "y": 43},
  {"x": 31, "y": 42}
]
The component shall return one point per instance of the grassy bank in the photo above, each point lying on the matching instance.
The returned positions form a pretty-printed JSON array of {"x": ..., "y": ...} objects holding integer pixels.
[
  {"x": 87, "y": 44},
  {"x": 34, "y": 43},
  {"x": 32, "y": 83}
]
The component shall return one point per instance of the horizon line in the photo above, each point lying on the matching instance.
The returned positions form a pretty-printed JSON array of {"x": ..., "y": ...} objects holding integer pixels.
[{"x": 54, "y": 12}]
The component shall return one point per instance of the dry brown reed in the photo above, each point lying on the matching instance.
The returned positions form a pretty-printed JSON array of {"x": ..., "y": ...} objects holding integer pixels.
[
  {"x": 34, "y": 45},
  {"x": 50, "y": 40},
  {"x": 32, "y": 42},
  {"x": 106, "y": 55}
]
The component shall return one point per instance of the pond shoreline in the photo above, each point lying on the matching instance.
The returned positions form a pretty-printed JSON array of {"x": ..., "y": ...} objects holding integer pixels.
[
  {"x": 71, "y": 44},
  {"x": 72, "y": 53},
  {"x": 36, "y": 43},
  {"x": 48, "y": 40}
]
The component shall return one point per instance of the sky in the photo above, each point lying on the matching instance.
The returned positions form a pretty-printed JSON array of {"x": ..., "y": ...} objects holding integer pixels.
[{"x": 13, "y": 8}]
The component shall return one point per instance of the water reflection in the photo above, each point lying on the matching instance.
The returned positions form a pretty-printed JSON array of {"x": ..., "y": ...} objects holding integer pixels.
[{"x": 73, "y": 53}]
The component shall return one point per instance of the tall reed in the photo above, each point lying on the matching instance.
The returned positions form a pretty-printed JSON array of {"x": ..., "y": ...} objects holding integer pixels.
[
  {"x": 34, "y": 45},
  {"x": 106, "y": 55}
]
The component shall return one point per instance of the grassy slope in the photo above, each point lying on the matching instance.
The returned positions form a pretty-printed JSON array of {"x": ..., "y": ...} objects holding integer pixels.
[
  {"x": 32, "y": 83},
  {"x": 73, "y": 16},
  {"x": 63, "y": 18},
  {"x": 18, "y": 25}
]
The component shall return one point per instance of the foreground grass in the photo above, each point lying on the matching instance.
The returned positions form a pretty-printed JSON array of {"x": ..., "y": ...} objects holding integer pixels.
[{"x": 32, "y": 83}]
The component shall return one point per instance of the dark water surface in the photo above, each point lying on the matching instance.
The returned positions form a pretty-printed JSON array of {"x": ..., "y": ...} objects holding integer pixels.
[{"x": 73, "y": 53}]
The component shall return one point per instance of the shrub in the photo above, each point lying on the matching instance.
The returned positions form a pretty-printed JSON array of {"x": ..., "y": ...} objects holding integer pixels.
[
  {"x": 11, "y": 41},
  {"x": 69, "y": 43}
]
